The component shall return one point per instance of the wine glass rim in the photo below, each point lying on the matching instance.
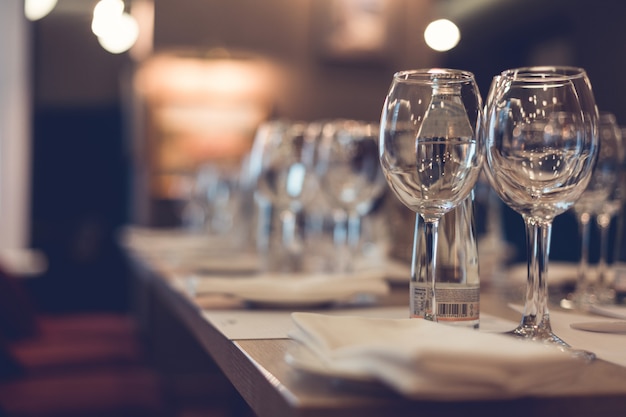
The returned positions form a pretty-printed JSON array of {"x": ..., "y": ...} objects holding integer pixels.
[
  {"x": 434, "y": 75},
  {"x": 359, "y": 127},
  {"x": 543, "y": 73}
]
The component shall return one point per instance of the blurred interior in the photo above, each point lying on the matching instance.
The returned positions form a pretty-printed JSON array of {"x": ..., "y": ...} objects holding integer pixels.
[
  {"x": 102, "y": 154},
  {"x": 108, "y": 139}
]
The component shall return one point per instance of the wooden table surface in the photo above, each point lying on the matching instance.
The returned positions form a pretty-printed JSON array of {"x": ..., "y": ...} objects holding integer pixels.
[{"x": 258, "y": 371}]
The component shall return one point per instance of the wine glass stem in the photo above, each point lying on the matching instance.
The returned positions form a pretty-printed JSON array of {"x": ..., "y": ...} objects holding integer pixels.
[
  {"x": 604, "y": 222},
  {"x": 431, "y": 229},
  {"x": 583, "y": 266},
  {"x": 416, "y": 248},
  {"x": 354, "y": 232},
  {"x": 536, "y": 305},
  {"x": 342, "y": 240},
  {"x": 290, "y": 238}
]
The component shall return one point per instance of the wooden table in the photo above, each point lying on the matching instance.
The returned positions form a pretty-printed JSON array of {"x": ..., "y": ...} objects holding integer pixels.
[{"x": 258, "y": 371}]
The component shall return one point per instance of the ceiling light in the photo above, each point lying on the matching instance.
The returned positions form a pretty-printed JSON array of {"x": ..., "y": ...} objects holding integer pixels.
[
  {"x": 442, "y": 35},
  {"x": 120, "y": 34},
  {"x": 36, "y": 9}
]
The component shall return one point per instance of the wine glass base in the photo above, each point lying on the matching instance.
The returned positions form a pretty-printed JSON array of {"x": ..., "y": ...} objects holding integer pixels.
[{"x": 546, "y": 336}]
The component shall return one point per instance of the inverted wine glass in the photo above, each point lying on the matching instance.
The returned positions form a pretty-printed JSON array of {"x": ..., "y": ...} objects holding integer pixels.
[
  {"x": 431, "y": 152},
  {"x": 541, "y": 136}
]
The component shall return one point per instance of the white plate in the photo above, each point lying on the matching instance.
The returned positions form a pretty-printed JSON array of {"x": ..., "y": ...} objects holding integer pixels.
[
  {"x": 612, "y": 311},
  {"x": 617, "y": 327},
  {"x": 305, "y": 291},
  {"x": 316, "y": 303},
  {"x": 291, "y": 300}
]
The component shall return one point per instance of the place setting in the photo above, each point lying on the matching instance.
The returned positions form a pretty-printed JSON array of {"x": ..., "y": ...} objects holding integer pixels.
[
  {"x": 315, "y": 266},
  {"x": 319, "y": 237},
  {"x": 536, "y": 141}
]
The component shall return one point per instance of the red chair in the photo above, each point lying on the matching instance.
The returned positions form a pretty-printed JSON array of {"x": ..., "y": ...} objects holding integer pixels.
[{"x": 84, "y": 364}]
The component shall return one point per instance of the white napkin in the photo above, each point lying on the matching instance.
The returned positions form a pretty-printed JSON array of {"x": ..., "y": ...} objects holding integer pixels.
[
  {"x": 293, "y": 289},
  {"x": 430, "y": 360}
]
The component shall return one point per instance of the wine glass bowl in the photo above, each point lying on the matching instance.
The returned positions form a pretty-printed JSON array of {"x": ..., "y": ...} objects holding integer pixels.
[
  {"x": 348, "y": 166},
  {"x": 350, "y": 176},
  {"x": 283, "y": 178},
  {"x": 542, "y": 144},
  {"x": 433, "y": 174},
  {"x": 538, "y": 165}
]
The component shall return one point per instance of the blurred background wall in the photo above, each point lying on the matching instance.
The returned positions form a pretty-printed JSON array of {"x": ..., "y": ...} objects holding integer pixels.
[{"x": 89, "y": 130}]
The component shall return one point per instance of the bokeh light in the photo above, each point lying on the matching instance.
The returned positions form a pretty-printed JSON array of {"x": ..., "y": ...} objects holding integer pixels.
[
  {"x": 37, "y": 9},
  {"x": 442, "y": 35},
  {"x": 105, "y": 14},
  {"x": 120, "y": 35},
  {"x": 116, "y": 30}
]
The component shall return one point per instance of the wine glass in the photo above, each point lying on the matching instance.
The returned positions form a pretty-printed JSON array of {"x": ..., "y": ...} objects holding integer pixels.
[
  {"x": 431, "y": 152},
  {"x": 283, "y": 161},
  {"x": 541, "y": 130},
  {"x": 609, "y": 129},
  {"x": 600, "y": 201},
  {"x": 349, "y": 175}
]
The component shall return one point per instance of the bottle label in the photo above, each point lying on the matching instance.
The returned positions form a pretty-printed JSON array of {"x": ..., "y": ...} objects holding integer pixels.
[
  {"x": 418, "y": 300},
  {"x": 454, "y": 303},
  {"x": 458, "y": 303}
]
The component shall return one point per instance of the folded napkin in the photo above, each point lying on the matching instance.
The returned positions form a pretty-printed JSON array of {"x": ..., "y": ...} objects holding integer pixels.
[
  {"x": 292, "y": 289},
  {"x": 424, "y": 359}
]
